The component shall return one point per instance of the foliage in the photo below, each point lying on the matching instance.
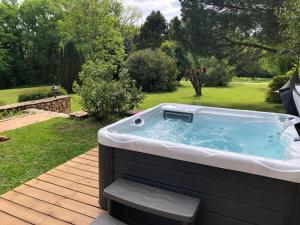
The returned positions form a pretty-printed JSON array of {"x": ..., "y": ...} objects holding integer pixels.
[
  {"x": 290, "y": 20},
  {"x": 31, "y": 39},
  {"x": 93, "y": 26},
  {"x": 209, "y": 72},
  {"x": 277, "y": 83},
  {"x": 251, "y": 69},
  {"x": 11, "y": 47},
  {"x": 278, "y": 64},
  {"x": 230, "y": 27},
  {"x": 152, "y": 32},
  {"x": 219, "y": 72},
  {"x": 34, "y": 32},
  {"x": 153, "y": 70},
  {"x": 70, "y": 65},
  {"x": 4, "y": 65},
  {"x": 130, "y": 17},
  {"x": 40, "y": 94},
  {"x": 175, "y": 30},
  {"x": 11, "y": 113},
  {"x": 179, "y": 55},
  {"x": 102, "y": 96}
]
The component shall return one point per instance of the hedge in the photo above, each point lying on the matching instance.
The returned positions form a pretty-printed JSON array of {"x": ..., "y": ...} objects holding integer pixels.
[{"x": 40, "y": 93}]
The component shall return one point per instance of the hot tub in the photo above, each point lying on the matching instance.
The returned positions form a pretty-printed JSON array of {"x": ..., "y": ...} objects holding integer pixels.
[{"x": 244, "y": 165}]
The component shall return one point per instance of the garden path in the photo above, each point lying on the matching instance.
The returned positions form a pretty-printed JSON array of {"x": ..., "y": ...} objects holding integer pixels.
[{"x": 34, "y": 116}]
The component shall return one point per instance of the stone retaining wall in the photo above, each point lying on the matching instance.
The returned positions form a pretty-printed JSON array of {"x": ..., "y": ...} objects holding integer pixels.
[{"x": 61, "y": 104}]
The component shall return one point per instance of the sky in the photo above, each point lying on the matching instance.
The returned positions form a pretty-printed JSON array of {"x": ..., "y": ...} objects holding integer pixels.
[{"x": 169, "y": 8}]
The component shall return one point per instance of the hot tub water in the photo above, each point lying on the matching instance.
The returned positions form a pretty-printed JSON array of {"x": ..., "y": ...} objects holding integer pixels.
[{"x": 258, "y": 137}]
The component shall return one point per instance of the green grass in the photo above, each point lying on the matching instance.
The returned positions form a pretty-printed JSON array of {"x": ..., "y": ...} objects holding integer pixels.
[
  {"x": 242, "y": 93},
  {"x": 239, "y": 94},
  {"x": 38, "y": 148},
  {"x": 10, "y": 96}
]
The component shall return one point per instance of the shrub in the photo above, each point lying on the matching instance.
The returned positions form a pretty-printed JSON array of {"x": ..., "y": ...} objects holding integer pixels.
[
  {"x": 251, "y": 69},
  {"x": 153, "y": 70},
  {"x": 11, "y": 113},
  {"x": 102, "y": 96},
  {"x": 40, "y": 93},
  {"x": 275, "y": 85},
  {"x": 219, "y": 73}
]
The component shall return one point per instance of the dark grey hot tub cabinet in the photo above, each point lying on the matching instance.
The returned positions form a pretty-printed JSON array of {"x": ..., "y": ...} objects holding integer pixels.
[{"x": 227, "y": 197}]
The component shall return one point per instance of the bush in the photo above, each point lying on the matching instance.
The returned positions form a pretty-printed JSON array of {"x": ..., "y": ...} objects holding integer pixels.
[
  {"x": 153, "y": 70},
  {"x": 251, "y": 69},
  {"x": 218, "y": 75},
  {"x": 102, "y": 96},
  {"x": 275, "y": 85},
  {"x": 11, "y": 113},
  {"x": 40, "y": 93}
]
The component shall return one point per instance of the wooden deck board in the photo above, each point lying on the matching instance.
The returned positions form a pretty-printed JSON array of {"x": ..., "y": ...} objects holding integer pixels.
[
  {"x": 67, "y": 194},
  {"x": 71, "y": 170}
]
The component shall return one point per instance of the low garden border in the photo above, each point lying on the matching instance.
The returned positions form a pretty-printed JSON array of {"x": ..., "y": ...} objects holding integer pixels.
[{"x": 61, "y": 104}]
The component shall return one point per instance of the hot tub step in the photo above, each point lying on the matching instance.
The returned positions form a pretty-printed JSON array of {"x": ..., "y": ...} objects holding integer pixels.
[
  {"x": 107, "y": 220},
  {"x": 154, "y": 200}
]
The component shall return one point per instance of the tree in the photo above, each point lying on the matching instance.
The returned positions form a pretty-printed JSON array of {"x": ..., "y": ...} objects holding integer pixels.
[
  {"x": 11, "y": 43},
  {"x": 71, "y": 61},
  {"x": 196, "y": 77},
  {"x": 4, "y": 67},
  {"x": 290, "y": 20},
  {"x": 153, "y": 31},
  {"x": 94, "y": 27},
  {"x": 129, "y": 20},
  {"x": 29, "y": 34},
  {"x": 39, "y": 21},
  {"x": 176, "y": 30},
  {"x": 231, "y": 26},
  {"x": 180, "y": 56},
  {"x": 208, "y": 72}
]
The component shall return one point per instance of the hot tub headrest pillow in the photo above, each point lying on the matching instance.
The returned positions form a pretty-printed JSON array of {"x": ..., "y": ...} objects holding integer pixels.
[{"x": 297, "y": 127}]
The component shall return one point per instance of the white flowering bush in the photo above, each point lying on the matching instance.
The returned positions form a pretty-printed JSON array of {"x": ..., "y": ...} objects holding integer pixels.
[{"x": 102, "y": 95}]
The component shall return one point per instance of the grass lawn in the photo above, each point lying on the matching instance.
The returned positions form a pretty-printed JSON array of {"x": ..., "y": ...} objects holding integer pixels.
[
  {"x": 240, "y": 94},
  {"x": 10, "y": 96},
  {"x": 38, "y": 148}
]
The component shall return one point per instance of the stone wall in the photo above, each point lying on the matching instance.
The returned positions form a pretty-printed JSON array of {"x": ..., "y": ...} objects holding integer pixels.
[{"x": 60, "y": 104}]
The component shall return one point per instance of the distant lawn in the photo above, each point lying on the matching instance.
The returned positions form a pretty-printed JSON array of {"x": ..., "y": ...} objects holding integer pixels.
[
  {"x": 242, "y": 93},
  {"x": 38, "y": 148},
  {"x": 10, "y": 96}
]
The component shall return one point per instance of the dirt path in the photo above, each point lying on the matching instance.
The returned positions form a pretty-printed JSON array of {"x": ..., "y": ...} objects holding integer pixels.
[{"x": 35, "y": 116}]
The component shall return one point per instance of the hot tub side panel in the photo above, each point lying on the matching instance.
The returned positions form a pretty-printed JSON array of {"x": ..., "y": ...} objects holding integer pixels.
[{"x": 228, "y": 197}]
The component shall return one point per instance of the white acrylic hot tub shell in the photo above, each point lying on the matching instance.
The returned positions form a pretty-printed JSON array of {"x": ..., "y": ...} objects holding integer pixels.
[{"x": 288, "y": 170}]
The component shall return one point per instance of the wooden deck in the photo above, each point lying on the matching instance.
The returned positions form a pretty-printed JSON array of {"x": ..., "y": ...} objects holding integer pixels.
[{"x": 67, "y": 194}]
